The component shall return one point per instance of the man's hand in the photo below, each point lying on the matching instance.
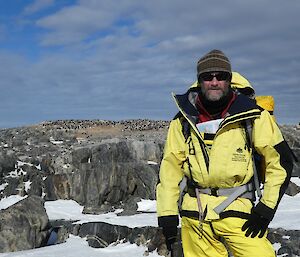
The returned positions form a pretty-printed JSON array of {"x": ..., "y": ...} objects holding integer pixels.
[{"x": 256, "y": 225}]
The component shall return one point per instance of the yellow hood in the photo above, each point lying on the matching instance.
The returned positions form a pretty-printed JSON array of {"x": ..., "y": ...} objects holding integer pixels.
[{"x": 241, "y": 84}]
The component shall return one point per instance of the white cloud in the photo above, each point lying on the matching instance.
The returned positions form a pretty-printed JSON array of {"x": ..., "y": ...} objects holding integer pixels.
[
  {"x": 37, "y": 6},
  {"x": 75, "y": 23},
  {"x": 119, "y": 60}
]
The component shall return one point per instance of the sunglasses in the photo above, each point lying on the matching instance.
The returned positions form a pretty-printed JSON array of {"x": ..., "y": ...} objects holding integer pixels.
[{"x": 220, "y": 76}]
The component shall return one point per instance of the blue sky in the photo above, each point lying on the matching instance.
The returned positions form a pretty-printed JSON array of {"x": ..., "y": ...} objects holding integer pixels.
[{"x": 105, "y": 59}]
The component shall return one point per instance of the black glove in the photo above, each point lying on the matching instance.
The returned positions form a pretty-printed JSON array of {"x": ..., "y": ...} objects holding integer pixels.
[
  {"x": 169, "y": 227},
  {"x": 170, "y": 233},
  {"x": 258, "y": 221}
]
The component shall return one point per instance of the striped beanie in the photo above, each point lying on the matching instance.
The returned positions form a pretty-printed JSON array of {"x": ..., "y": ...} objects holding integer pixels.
[{"x": 215, "y": 60}]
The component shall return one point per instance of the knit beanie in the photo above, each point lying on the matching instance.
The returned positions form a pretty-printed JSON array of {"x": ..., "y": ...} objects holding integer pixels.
[{"x": 215, "y": 60}]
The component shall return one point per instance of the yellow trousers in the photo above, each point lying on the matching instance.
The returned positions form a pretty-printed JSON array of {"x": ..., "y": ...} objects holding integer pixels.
[{"x": 205, "y": 242}]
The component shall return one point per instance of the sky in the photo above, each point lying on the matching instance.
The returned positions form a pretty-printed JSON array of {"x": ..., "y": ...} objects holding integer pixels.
[
  {"x": 288, "y": 210},
  {"x": 116, "y": 60}
]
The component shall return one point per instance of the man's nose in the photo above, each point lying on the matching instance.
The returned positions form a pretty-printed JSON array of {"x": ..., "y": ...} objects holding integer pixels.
[{"x": 214, "y": 81}]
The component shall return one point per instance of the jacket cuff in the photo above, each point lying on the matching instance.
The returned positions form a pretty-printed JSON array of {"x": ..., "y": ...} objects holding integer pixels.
[
  {"x": 264, "y": 211},
  {"x": 168, "y": 221}
]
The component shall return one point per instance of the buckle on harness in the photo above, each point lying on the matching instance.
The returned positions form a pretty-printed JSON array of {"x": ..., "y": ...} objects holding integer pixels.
[{"x": 214, "y": 191}]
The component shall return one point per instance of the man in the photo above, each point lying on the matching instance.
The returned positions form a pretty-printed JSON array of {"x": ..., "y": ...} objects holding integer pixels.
[{"x": 210, "y": 142}]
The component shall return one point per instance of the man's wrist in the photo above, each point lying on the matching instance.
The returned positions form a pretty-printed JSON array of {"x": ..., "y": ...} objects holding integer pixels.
[
  {"x": 264, "y": 211},
  {"x": 168, "y": 221}
]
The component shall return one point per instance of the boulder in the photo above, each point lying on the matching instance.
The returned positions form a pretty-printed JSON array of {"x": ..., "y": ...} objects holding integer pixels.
[
  {"x": 292, "y": 136},
  {"x": 23, "y": 225},
  {"x": 8, "y": 161}
]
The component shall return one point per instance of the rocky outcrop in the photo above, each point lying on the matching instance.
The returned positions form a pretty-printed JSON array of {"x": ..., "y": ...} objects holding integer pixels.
[
  {"x": 97, "y": 163},
  {"x": 23, "y": 225},
  {"x": 103, "y": 174},
  {"x": 102, "y": 165},
  {"x": 99, "y": 166}
]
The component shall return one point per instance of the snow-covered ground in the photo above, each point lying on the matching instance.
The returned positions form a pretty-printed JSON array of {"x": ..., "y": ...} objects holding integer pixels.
[
  {"x": 71, "y": 210},
  {"x": 78, "y": 247},
  {"x": 288, "y": 211}
]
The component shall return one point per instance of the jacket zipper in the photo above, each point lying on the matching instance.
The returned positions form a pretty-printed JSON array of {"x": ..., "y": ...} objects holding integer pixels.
[{"x": 201, "y": 141}]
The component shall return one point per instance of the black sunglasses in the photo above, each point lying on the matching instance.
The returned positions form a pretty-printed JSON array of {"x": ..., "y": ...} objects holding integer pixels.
[{"x": 209, "y": 76}]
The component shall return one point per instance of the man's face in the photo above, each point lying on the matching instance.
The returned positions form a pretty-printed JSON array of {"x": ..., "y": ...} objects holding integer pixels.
[{"x": 214, "y": 85}]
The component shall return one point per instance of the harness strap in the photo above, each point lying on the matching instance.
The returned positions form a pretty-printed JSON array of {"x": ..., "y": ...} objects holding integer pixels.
[
  {"x": 245, "y": 191},
  {"x": 238, "y": 192},
  {"x": 196, "y": 190},
  {"x": 250, "y": 142},
  {"x": 221, "y": 191}
]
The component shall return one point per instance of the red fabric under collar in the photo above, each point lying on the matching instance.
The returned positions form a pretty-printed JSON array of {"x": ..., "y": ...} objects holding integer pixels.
[{"x": 205, "y": 116}]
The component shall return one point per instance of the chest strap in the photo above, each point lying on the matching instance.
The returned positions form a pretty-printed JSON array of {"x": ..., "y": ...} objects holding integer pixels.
[{"x": 232, "y": 193}]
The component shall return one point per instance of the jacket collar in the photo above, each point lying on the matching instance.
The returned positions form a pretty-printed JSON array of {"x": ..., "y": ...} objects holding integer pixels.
[{"x": 242, "y": 108}]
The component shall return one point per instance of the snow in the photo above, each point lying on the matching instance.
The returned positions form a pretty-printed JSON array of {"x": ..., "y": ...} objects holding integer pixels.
[
  {"x": 20, "y": 164},
  {"x": 27, "y": 185},
  {"x": 288, "y": 211},
  {"x": 19, "y": 171},
  {"x": 70, "y": 210},
  {"x": 56, "y": 142},
  {"x": 152, "y": 163},
  {"x": 147, "y": 206},
  {"x": 3, "y": 186},
  {"x": 8, "y": 201},
  {"x": 78, "y": 247}
]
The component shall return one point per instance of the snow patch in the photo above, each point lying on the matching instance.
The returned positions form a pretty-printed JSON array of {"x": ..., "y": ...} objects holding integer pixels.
[
  {"x": 56, "y": 142},
  {"x": 276, "y": 246},
  {"x": 152, "y": 163},
  {"x": 9, "y": 201},
  {"x": 78, "y": 247},
  {"x": 27, "y": 185},
  {"x": 71, "y": 210},
  {"x": 146, "y": 206},
  {"x": 20, "y": 164},
  {"x": 3, "y": 186}
]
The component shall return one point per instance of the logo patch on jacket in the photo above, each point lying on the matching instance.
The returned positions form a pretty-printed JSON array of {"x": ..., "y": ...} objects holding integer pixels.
[
  {"x": 239, "y": 150},
  {"x": 239, "y": 156}
]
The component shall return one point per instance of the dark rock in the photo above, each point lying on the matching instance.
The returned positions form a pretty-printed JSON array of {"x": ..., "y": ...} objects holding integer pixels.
[
  {"x": 285, "y": 251},
  {"x": 292, "y": 189},
  {"x": 288, "y": 239},
  {"x": 49, "y": 189},
  {"x": 12, "y": 187},
  {"x": 130, "y": 206},
  {"x": 103, "y": 208},
  {"x": 100, "y": 234},
  {"x": 23, "y": 225},
  {"x": 36, "y": 186},
  {"x": 292, "y": 136},
  {"x": 8, "y": 162},
  {"x": 107, "y": 173}
]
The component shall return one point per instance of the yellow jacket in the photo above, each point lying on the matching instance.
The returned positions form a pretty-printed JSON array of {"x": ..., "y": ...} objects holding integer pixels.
[{"x": 230, "y": 161}]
